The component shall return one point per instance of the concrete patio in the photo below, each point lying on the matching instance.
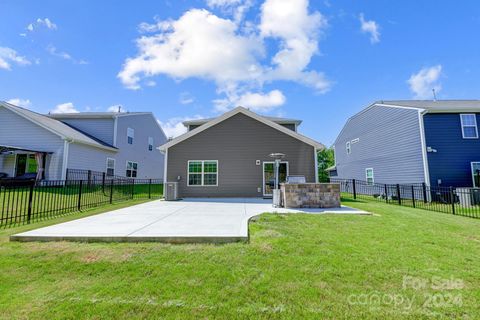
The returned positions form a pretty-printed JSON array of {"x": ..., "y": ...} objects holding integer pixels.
[{"x": 185, "y": 221}]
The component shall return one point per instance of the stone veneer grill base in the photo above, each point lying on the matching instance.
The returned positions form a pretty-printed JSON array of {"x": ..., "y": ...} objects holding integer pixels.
[{"x": 311, "y": 195}]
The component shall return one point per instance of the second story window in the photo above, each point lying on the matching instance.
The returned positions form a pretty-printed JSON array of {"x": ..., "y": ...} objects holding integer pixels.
[
  {"x": 130, "y": 135},
  {"x": 469, "y": 126},
  {"x": 150, "y": 143},
  {"x": 369, "y": 176},
  {"x": 348, "y": 147}
]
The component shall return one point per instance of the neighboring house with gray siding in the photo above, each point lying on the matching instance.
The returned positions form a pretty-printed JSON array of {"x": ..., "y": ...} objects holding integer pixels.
[
  {"x": 228, "y": 156},
  {"x": 51, "y": 144},
  {"x": 410, "y": 141}
]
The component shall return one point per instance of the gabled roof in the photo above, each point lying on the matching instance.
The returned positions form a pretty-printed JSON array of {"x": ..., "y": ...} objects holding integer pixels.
[
  {"x": 250, "y": 114},
  {"x": 198, "y": 122},
  {"x": 435, "y": 105},
  {"x": 94, "y": 115},
  {"x": 57, "y": 127}
]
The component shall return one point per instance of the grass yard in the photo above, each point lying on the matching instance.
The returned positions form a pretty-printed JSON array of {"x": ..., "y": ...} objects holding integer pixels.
[{"x": 400, "y": 263}]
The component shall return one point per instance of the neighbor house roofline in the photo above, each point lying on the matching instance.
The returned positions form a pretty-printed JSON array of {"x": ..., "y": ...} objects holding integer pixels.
[
  {"x": 62, "y": 130},
  {"x": 250, "y": 114},
  {"x": 198, "y": 122}
]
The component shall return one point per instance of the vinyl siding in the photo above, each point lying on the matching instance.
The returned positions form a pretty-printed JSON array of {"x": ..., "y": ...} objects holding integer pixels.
[
  {"x": 20, "y": 132},
  {"x": 451, "y": 162},
  {"x": 290, "y": 126},
  {"x": 85, "y": 157},
  {"x": 150, "y": 163},
  {"x": 237, "y": 143},
  {"x": 99, "y": 128},
  {"x": 389, "y": 142}
]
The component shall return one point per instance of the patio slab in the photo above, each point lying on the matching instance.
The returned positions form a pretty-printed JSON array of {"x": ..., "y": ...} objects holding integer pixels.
[{"x": 185, "y": 221}]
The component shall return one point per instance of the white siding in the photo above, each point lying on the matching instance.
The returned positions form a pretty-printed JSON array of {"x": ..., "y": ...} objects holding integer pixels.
[
  {"x": 99, "y": 128},
  {"x": 20, "y": 132},
  {"x": 84, "y": 157}
]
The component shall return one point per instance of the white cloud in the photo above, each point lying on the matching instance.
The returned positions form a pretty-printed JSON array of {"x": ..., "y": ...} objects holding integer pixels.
[
  {"x": 173, "y": 127},
  {"x": 9, "y": 56},
  {"x": 24, "y": 103},
  {"x": 47, "y": 23},
  {"x": 64, "y": 55},
  {"x": 237, "y": 8},
  {"x": 254, "y": 101},
  {"x": 203, "y": 45},
  {"x": 186, "y": 98},
  {"x": 67, "y": 107},
  {"x": 422, "y": 82},
  {"x": 370, "y": 27},
  {"x": 116, "y": 108}
]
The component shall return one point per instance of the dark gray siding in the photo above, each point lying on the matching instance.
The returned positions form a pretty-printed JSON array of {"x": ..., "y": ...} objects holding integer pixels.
[
  {"x": 237, "y": 143},
  {"x": 389, "y": 142},
  {"x": 290, "y": 126},
  {"x": 451, "y": 164},
  {"x": 192, "y": 126}
]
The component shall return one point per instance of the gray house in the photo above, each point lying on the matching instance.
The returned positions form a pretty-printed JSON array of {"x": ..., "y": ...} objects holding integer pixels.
[
  {"x": 122, "y": 144},
  {"x": 228, "y": 156},
  {"x": 411, "y": 141}
]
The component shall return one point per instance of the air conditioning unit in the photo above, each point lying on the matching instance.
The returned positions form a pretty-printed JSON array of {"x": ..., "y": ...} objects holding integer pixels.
[
  {"x": 171, "y": 191},
  {"x": 468, "y": 196}
]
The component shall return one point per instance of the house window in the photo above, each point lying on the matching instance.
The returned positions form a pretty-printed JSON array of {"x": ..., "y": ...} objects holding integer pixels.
[
  {"x": 202, "y": 173},
  {"x": 469, "y": 126},
  {"x": 132, "y": 169},
  {"x": 369, "y": 176},
  {"x": 476, "y": 174},
  {"x": 110, "y": 167},
  {"x": 130, "y": 135},
  {"x": 150, "y": 143},
  {"x": 348, "y": 147}
]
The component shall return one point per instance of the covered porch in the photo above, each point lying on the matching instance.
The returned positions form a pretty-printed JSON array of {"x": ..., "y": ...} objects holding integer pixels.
[{"x": 22, "y": 163}]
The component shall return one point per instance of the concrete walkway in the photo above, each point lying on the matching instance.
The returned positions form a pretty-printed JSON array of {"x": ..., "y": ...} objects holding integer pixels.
[{"x": 189, "y": 220}]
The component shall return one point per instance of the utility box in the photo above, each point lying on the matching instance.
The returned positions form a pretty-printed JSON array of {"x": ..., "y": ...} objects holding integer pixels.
[
  {"x": 468, "y": 196},
  {"x": 171, "y": 191}
]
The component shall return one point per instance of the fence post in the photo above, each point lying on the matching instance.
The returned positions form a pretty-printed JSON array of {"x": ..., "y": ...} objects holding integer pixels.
[
  {"x": 354, "y": 189},
  {"x": 398, "y": 195},
  {"x": 30, "y": 202},
  {"x": 79, "y": 204},
  {"x": 386, "y": 194},
  {"x": 103, "y": 182},
  {"x": 452, "y": 199},
  {"x": 89, "y": 178},
  {"x": 66, "y": 174},
  {"x": 413, "y": 196},
  {"x": 149, "y": 188},
  {"x": 111, "y": 191},
  {"x": 424, "y": 188}
]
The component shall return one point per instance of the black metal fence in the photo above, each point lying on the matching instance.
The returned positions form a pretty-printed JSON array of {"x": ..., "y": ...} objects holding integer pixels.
[
  {"x": 28, "y": 201},
  {"x": 458, "y": 201}
]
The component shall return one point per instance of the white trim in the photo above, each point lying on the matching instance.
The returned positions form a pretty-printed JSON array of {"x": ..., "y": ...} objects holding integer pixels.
[
  {"x": 106, "y": 166},
  {"x": 15, "y": 165},
  {"x": 250, "y": 114},
  {"x": 263, "y": 175},
  {"x": 165, "y": 165},
  {"x": 471, "y": 172},
  {"x": 423, "y": 144},
  {"x": 126, "y": 168},
  {"x": 66, "y": 147},
  {"x": 316, "y": 164},
  {"x": 115, "y": 130},
  {"x": 462, "y": 125},
  {"x": 202, "y": 173},
  {"x": 366, "y": 176}
]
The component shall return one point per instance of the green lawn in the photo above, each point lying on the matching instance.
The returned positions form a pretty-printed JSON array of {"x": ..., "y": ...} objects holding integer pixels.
[{"x": 295, "y": 266}]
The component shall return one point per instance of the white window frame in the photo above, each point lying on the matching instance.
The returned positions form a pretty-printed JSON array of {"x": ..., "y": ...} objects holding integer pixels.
[
  {"x": 348, "y": 147},
  {"x": 202, "y": 173},
  {"x": 150, "y": 143},
  {"x": 126, "y": 168},
  {"x": 471, "y": 172},
  {"x": 469, "y": 126},
  {"x": 130, "y": 134},
  {"x": 366, "y": 176},
  {"x": 106, "y": 165}
]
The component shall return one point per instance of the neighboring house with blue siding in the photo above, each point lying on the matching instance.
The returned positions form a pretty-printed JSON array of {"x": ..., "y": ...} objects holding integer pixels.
[
  {"x": 122, "y": 144},
  {"x": 411, "y": 141}
]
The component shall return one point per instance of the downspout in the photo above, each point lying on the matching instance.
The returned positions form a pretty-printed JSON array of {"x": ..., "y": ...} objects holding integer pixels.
[
  {"x": 115, "y": 125},
  {"x": 66, "y": 145},
  {"x": 315, "y": 154},
  {"x": 426, "y": 172}
]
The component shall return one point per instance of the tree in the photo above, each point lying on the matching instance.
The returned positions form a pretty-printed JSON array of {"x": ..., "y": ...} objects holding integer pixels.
[{"x": 325, "y": 160}]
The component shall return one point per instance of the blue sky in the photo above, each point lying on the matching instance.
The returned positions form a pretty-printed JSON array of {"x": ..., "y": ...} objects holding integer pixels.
[{"x": 320, "y": 61}]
